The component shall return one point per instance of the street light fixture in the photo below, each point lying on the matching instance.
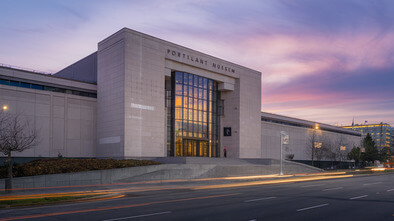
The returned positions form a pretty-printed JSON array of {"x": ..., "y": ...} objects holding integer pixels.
[{"x": 5, "y": 107}]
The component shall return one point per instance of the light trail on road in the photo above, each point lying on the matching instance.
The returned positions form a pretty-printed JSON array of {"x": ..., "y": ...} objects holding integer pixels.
[
  {"x": 182, "y": 180},
  {"x": 254, "y": 183},
  {"x": 156, "y": 188},
  {"x": 114, "y": 207}
]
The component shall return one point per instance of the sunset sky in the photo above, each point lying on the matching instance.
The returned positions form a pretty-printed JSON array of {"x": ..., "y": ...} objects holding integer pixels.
[{"x": 326, "y": 61}]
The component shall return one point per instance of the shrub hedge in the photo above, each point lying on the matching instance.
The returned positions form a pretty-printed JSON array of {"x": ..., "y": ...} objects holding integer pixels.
[{"x": 64, "y": 165}]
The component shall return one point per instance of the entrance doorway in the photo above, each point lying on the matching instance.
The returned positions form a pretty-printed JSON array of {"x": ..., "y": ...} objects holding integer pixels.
[{"x": 194, "y": 148}]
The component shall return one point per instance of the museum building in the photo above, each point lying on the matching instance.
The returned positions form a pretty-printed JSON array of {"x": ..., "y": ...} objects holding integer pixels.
[{"x": 140, "y": 96}]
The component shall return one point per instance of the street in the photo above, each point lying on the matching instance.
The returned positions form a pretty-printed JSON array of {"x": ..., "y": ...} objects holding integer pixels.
[{"x": 354, "y": 198}]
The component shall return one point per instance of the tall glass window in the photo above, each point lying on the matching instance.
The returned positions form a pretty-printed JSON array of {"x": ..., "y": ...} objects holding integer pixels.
[{"x": 195, "y": 123}]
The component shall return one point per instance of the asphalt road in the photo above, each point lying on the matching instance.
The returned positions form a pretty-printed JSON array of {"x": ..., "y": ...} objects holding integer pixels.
[{"x": 355, "y": 198}]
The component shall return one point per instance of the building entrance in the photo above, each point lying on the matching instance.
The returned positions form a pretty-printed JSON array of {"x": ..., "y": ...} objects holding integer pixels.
[
  {"x": 194, "y": 148},
  {"x": 194, "y": 116}
]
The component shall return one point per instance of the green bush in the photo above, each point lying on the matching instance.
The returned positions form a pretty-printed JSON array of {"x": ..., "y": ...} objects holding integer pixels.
[{"x": 64, "y": 165}]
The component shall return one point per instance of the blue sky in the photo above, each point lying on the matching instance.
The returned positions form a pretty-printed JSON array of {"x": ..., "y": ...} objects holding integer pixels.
[{"x": 326, "y": 61}]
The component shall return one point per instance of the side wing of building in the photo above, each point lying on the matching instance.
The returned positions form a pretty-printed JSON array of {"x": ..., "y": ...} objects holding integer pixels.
[
  {"x": 300, "y": 133},
  {"x": 62, "y": 111}
]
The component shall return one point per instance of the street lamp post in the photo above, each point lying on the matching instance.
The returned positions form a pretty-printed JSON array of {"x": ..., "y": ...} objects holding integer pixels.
[
  {"x": 8, "y": 180},
  {"x": 315, "y": 128},
  {"x": 362, "y": 150},
  {"x": 284, "y": 139}
]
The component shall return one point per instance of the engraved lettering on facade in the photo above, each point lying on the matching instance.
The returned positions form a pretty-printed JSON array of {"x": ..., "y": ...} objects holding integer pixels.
[{"x": 199, "y": 60}]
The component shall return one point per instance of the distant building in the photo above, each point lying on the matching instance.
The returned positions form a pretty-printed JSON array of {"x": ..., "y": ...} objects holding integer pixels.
[{"x": 381, "y": 133}]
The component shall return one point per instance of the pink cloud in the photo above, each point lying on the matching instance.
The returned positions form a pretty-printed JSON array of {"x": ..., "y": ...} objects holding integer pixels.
[{"x": 283, "y": 57}]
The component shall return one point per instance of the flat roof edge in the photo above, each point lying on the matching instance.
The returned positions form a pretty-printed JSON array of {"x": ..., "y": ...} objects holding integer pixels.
[
  {"x": 125, "y": 29},
  {"x": 308, "y": 123},
  {"x": 43, "y": 74}
]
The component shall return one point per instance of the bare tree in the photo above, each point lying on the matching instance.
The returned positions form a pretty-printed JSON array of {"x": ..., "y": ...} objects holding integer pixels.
[
  {"x": 16, "y": 135},
  {"x": 331, "y": 151},
  {"x": 321, "y": 149},
  {"x": 342, "y": 148},
  {"x": 313, "y": 145}
]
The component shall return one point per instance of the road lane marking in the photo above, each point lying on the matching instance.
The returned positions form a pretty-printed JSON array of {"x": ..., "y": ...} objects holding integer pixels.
[
  {"x": 312, "y": 207},
  {"x": 358, "y": 197},
  {"x": 390, "y": 190},
  {"x": 336, "y": 188},
  {"x": 138, "y": 216},
  {"x": 366, "y": 184},
  {"x": 266, "y": 198},
  {"x": 313, "y": 185},
  {"x": 114, "y": 207}
]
